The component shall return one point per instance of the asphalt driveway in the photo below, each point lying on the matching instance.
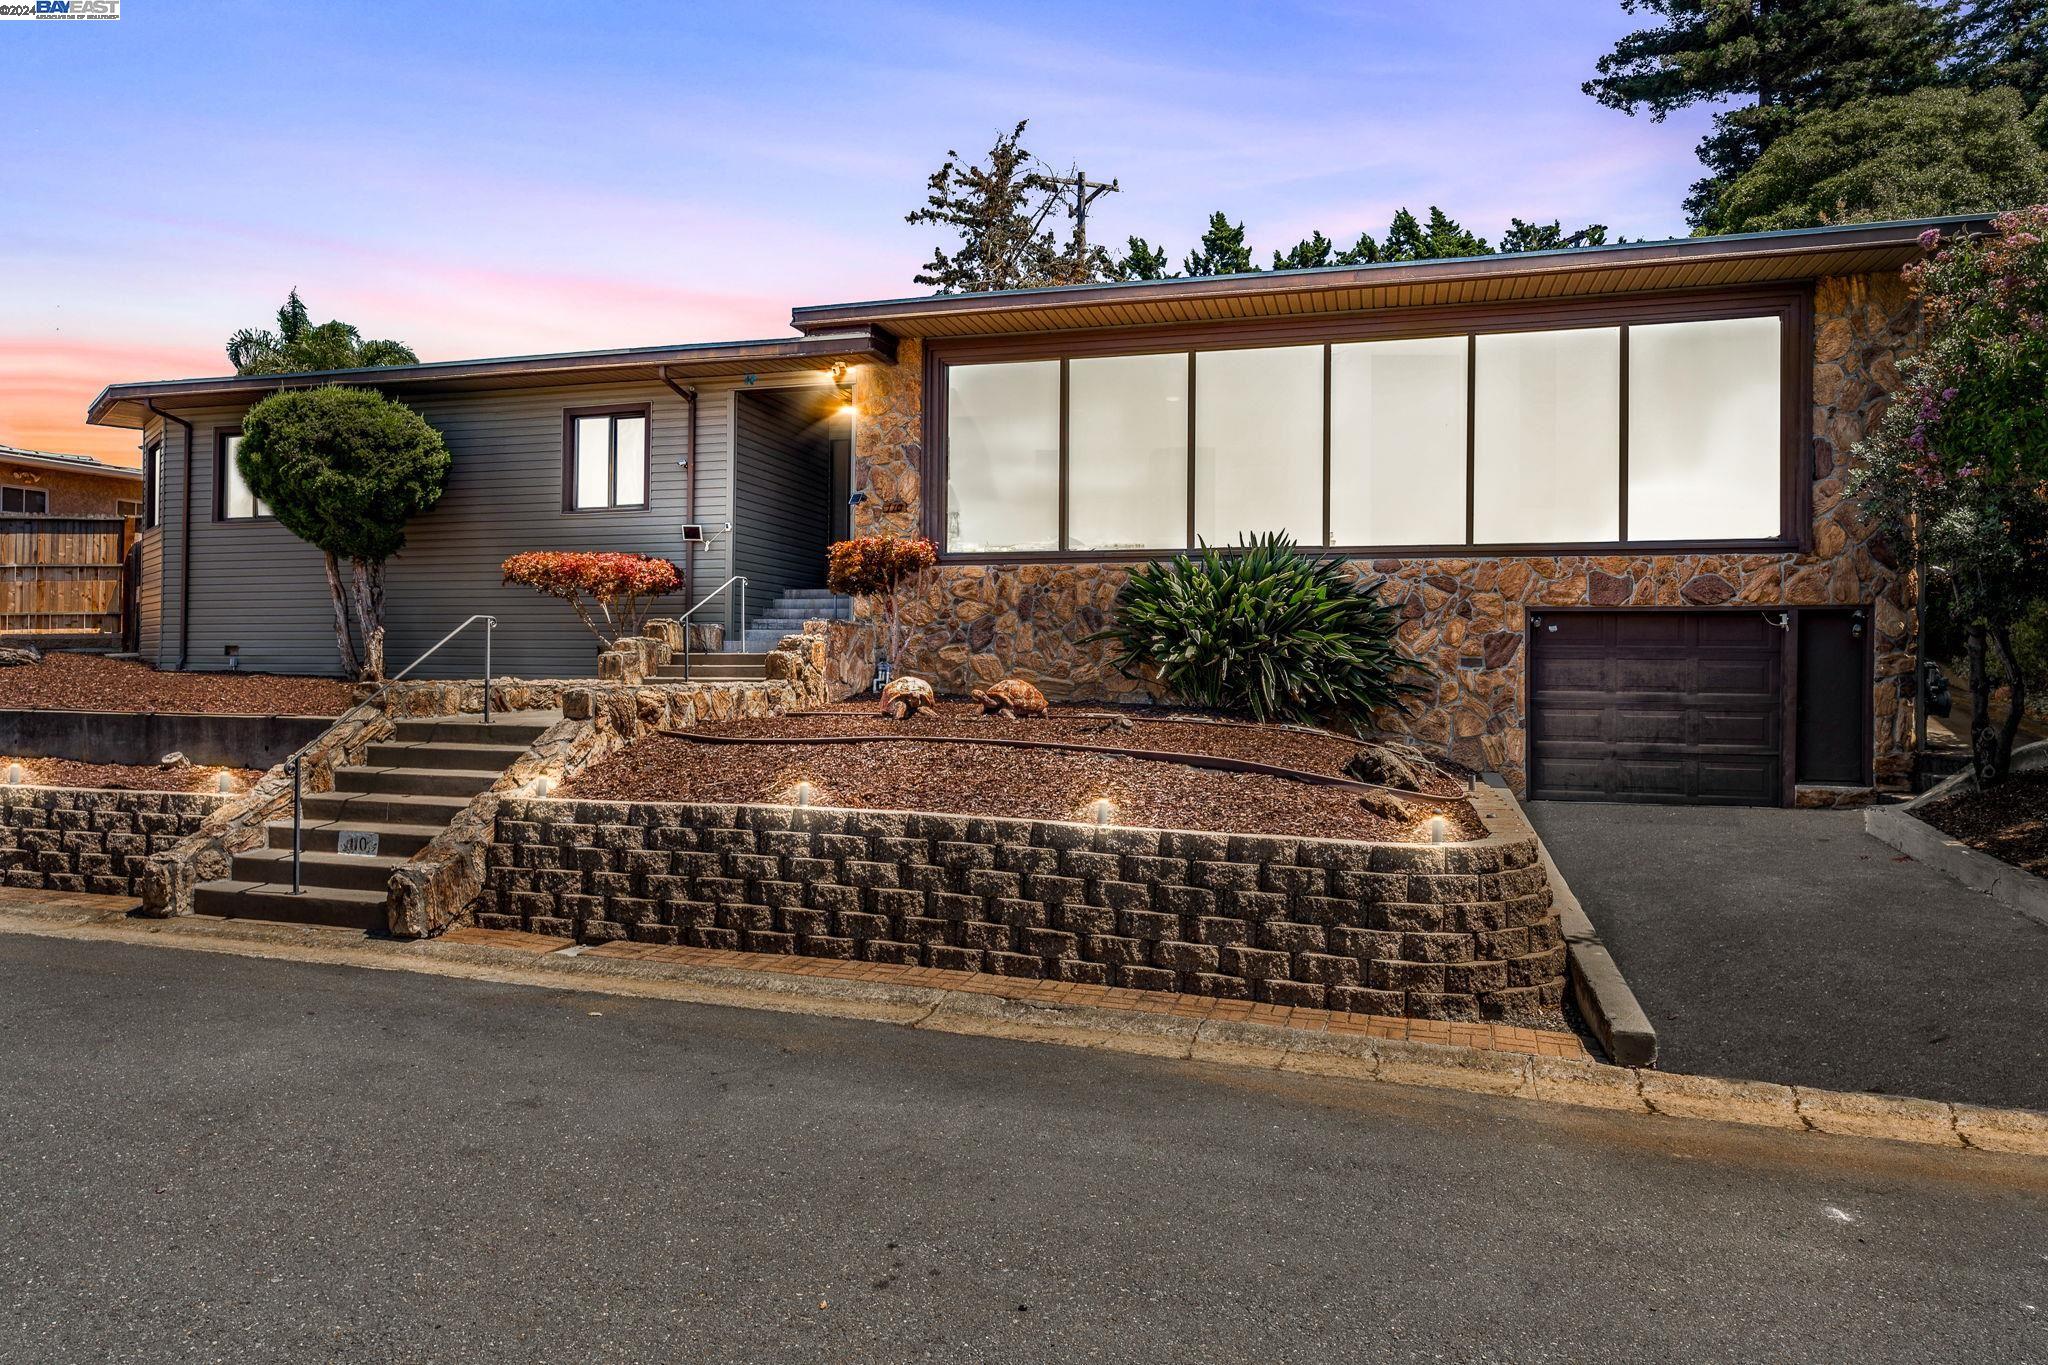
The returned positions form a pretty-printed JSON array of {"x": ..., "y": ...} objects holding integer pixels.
[{"x": 1790, "y": 946}]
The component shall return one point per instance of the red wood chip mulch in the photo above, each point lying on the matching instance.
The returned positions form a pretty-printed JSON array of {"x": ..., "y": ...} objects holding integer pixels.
[
  {"x": 63, "y": 772},
  {"x": 973, "y": 779},
  {"x": 91, "y": 682},
  {"x": 2008, "y": 821}
]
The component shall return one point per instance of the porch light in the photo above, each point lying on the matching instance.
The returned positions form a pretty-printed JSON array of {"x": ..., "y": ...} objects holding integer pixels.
[{"x": 1438, "y": 828}]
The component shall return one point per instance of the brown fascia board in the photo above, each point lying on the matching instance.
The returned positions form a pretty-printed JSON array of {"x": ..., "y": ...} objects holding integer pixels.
[
  {"x": 855, "y": 344},
  {"x": 1903, "y": 235}
]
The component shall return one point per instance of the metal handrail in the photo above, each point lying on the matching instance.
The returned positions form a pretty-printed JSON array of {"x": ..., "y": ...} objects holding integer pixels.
[
  {"x": 684, "y": 619},
  {"x": 292, "y": 764}
]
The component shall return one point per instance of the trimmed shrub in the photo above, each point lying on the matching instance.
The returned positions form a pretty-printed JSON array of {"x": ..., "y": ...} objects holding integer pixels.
[
  {"x": 876, "y": 566},
  {"x": 611, "y": 593},
  {"x": 1264, "y": 630}
]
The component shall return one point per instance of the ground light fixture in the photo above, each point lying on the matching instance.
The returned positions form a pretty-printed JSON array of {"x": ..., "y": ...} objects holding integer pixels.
[
  {"x": 1101, "y": 811},
  {"x": 14, "y": 774},
  {"x": 801, "y": 798},
  {"x": 226, "y": 784},
  {"x": 540, "y": 786},
  {"x": 1438, "y": 828}
]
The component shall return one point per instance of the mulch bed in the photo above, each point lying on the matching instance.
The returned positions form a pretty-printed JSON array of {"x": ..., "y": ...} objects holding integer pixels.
[
  {"x": 2009, "y": 822},
  {"x": 62, "y": 772},
  {"x": 973, "y": 779},
  {"x": 1285, "y": 747},
  {"x": 92, "y": 682}
]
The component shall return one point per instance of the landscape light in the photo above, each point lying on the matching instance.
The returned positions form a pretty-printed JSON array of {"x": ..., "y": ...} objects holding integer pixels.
[
  {"x": 14, "y": 774},
  {"x": 1438, "y": 827},
  {"x": 1101, "y": 809},
  {"x": 540, "y": 786},
  {"x": 803, "y": 795},
  {"x": 226, "y": 783}
]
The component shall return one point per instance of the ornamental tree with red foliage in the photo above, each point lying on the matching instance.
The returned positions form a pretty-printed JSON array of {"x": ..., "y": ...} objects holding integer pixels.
[
  {"x": 611, "y": 593},
  {"x": 876, "y": 566}
]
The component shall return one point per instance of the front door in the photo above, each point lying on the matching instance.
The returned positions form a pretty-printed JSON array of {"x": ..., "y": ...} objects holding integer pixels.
[{"x": 1833, "y": 693}]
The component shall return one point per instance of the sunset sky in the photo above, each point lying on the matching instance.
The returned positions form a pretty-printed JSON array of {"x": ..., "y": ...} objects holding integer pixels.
[{"x": 508, "y": 178}]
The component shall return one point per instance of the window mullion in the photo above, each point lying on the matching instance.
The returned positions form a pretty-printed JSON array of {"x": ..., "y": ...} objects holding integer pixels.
[
  {"x": 1471, "y": 433},
  {"x": 1191, "y": 452},
  {"x": 1062, "y": 538},
  {"x": 1326, "y": 445},
  {"x": 1621, "y": 437}
]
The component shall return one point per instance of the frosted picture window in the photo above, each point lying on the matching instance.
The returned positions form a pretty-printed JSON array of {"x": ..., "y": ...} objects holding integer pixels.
[
  {"x": 237, "y": 503},
  {"x": 1127, "y": 453},
  {"x": 1705, "y": 441},
  {"x": 1259, "y": 443},
  {"x": 1547, "y": 437},
  {"x": 1003, "y": 456},
  {"x": 1397, "y": 442}
]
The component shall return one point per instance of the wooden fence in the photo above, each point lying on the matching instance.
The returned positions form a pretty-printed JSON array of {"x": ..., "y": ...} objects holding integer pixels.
[{"x": 63, "y": 575}]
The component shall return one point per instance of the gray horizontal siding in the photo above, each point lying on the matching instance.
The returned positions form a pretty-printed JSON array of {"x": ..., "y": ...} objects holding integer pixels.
[{"x": 782, "y": 481}]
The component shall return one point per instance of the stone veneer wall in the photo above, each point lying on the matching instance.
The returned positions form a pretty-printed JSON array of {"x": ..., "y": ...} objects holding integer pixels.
[
  {"x": 93, "y": 839},
  {"x": 1449, "y": 931},
  {"x": 970, "y": 624}
]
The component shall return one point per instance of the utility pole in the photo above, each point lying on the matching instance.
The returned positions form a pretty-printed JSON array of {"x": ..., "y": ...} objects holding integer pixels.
[{"x": 1078, "y": 191}]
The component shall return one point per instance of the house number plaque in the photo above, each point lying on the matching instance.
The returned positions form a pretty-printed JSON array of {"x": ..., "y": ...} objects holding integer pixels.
[{"x": 356, "y": 843}]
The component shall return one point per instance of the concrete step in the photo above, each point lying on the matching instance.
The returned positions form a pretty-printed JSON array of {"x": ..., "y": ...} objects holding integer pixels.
[
  {"x": 402, "y": 781},
  {"x": 407, "y": 753},
  {"x": 354, "y": 809},
  {"x": 519, "y": 728},
  {"x": 328, "y": 871},
  {"x": 320, "y": 836},
  {"x": 340, "y": 907}
]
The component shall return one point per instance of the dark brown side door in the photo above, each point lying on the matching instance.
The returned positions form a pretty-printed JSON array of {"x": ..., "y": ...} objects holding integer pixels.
[
  {"x": 1834, "y": 693},
  {"x": 1667, "y": 706}
]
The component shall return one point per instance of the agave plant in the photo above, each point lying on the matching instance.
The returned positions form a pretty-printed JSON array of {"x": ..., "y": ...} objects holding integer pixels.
[{"x": 1266, "y": 630}]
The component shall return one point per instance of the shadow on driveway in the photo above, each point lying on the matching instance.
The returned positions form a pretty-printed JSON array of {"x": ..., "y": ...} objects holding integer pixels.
[{"x": 1789, "y": 945}]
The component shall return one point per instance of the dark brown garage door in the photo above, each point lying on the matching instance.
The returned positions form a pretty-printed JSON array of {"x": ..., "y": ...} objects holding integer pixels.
[{"x": 1656, "y": 706}]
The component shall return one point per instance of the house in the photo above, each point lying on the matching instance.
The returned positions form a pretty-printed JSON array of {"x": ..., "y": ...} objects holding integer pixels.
[
  {"x": 44, "y": 483},
  {"x": 1605, "y": 486}
]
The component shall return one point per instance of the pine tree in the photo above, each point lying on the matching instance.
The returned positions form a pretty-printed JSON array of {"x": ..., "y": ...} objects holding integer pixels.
[
  {"x": 299, "y": 347},
  {"x": 2001, "y": 42},
  {"x": 1778, "y": 59},
  {"x": 1549, "y": 236},
  {"x": 1141, "y": 261},
  {"x": 1221, "y": 252},
  {"x": 1308, "y": 253},
  {"x": 999, "y": 211},
  {"x": 1441, "y": 239}
]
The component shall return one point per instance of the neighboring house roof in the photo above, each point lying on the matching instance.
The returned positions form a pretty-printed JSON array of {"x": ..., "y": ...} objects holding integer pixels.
[
  {"x": 127, "y": 405},
  {"x": 1682, "y": 263},
  {"x": 72, "y": 464}
]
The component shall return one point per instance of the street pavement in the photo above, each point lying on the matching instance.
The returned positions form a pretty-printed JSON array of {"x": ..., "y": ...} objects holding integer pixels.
[
  {"x": 1788, "y": 945},
  {"x": 207, "y": 1157}
]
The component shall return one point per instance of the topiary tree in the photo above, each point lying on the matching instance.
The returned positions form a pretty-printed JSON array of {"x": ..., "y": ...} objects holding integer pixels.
[
  {"x": 875, "y": 567},
  {"x": 344, "y": 470},
  {"x": 1956, "y": 472},
  {"x": 610, "y": 593},
  {"x": 1265, "y": 630}
]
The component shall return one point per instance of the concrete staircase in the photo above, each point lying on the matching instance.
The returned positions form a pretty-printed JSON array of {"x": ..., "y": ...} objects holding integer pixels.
[
  {"x": 408, "y": 789},
  {"x": 747, "y": 663}
]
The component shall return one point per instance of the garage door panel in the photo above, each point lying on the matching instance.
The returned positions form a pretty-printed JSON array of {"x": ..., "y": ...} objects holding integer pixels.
[{"x": 1656, "y": 706}]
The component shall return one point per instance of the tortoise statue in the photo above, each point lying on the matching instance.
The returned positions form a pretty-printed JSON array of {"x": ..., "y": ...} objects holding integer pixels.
[
  {"x": 906, "y": 697},
  {"x": 1011, "y": 698}
]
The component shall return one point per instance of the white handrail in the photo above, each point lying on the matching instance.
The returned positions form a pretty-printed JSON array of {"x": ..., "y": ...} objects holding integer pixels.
[{"x": 292, "y": 764}]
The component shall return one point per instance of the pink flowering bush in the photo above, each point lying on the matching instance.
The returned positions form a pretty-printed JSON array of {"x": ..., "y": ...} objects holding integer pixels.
[
  {"x": 610, "y": 593},
  {"x": 1956, "y": 471}
]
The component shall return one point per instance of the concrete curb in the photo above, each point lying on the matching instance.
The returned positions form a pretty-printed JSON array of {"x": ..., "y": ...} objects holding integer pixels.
[
  {"x": 1602, "y": 994},
  {"x": 1547, "y": 1080},
  {"x": 2004, "y": 883}
]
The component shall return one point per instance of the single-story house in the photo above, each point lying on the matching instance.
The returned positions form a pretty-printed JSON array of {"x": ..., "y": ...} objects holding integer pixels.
[
  {"x": 1604, "y": 484},
  {"x": 35, "y": 483}
]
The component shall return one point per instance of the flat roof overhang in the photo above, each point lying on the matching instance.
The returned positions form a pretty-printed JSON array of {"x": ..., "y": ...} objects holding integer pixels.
[
  {"x": 1575, "y": 272},
  {"x": 127, "y": 405}
]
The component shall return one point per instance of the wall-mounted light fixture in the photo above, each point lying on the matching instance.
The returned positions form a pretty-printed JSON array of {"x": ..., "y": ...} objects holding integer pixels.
[{"x": 234, "y": 653}]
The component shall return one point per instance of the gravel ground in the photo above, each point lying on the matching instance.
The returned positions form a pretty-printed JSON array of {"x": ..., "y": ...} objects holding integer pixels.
[
  {"x": 2009, "y": 822},
  {"x": 62, "y": 772},
  {"x": 92, "y": 682},
  {"x": 974, "y": 779}
]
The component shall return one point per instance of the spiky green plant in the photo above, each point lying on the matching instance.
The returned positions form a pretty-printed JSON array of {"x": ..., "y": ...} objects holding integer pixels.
[{"x": 1266, "y": 630}]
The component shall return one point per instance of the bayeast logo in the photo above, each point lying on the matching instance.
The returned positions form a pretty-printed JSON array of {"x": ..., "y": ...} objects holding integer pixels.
[{"x": 62, "y": 9}]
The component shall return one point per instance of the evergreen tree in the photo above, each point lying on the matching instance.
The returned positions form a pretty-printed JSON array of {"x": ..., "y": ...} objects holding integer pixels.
[
  {"x": 2001, "y": 42},
  {"x": 1306, "y": 254},
  {"x": 1442, "y": 238},
  {"x": 1549, "y": 236},
  {"x": 999, "y": 211},
  {"x": 1141, "y": 261},
  {"x": 1221, "y": 251},
  {"x": 1923, "y": 155},
  {"x": 1778, "y": 60},
  {"x": 299, "y": 347}
]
